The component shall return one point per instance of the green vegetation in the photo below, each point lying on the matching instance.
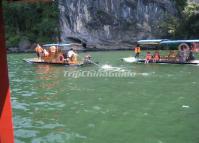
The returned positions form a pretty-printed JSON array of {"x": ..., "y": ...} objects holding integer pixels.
[
  {"x": 180, "y": 4},
  {"x": 189, "y": 25},
  {"x": 186, "y": 24},
  {"x": 36, "y": 22},
  {"x": 39, "y": 22}
]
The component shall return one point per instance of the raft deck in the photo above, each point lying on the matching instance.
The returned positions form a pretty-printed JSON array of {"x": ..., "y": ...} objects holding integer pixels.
[
  {"x": 134, "y": 60},
  {"x": 40, "y": 61}
]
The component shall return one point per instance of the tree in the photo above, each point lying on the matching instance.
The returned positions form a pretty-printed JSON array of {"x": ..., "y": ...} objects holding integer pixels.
[{"x": 37, "y": 22}]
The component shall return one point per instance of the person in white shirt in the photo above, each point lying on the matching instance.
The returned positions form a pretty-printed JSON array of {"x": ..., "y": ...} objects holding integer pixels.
[
  {"x": 71, "y": 53},
  {"x": 72, "y": 56}
]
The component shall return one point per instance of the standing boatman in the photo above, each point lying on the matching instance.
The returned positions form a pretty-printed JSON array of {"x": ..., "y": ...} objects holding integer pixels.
[
  {"x": 39, "y": 51},
  {"x": 137, "y": 51}
]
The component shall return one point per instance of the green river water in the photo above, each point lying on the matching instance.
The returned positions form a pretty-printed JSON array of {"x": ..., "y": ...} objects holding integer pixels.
[{"x": 159, "y": 104}]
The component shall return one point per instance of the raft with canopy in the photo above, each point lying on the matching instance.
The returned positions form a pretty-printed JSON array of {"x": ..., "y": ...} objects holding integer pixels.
[
  {"x": 184, "y": 55},
  {"x": 59, "y": 55}
]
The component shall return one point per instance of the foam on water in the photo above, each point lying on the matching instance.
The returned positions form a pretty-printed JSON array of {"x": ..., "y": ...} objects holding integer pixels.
[
  {"x": 145, "y": 74},
  {"x": 110, "y": 67},
  {"x": 106, "y": 67},
  {"x": 185, "y": 106}
]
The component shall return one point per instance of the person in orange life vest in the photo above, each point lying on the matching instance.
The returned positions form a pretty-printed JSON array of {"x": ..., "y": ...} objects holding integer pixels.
[
  {"x": 137, "y": 51},
  {"x": 39, "y": 51},
  {"x": 156, "y": 56},
  {"x": 148, "y": 57}
]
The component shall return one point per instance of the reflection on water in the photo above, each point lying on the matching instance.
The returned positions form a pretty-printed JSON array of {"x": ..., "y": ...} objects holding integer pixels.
[{"x": 159, "y": 104}]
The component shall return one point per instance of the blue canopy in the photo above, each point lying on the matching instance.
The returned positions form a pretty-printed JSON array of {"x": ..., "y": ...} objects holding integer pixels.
[
  {"x": 151, "y": 42},
  {"x": 179, "y": 41},
  {"x": 62, "y": 44}
]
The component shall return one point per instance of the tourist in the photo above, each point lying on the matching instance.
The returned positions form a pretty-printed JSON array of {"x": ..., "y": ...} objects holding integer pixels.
[
  {"x": 156, "y": 56},
  {"x": 137, "y": 51},
  {"x": 72, "y": 56},
  {"x": 61, "y": 58},
  {"x": 53, "y": 50},
  {"x": 181, "y": 54},
  {"x": 148, "y": 57},
  {"x": 172, "y": 55},
  {"x": 39, "y": 51},
  {"x": 191, "y": 55}
]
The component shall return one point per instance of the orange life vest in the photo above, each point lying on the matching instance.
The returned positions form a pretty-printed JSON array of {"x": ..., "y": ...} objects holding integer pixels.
[
  {"x": 137, "y": 50},
  {"x": 39, "y": 49}
]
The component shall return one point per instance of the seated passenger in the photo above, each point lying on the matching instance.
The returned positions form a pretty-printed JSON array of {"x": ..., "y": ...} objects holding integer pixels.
[
  {"x": 137, "y": 51},
  {"x": 60, "y": 58},
  {"x": 191, "y": 56},
  {"x": 156, "y": 56},
  {"x": 172, "y": 56},
  {"x": 181, "y": 55},
  {"x": 65, "y": 55},
  {"x": 148, "y": 57},
  {"x": 72, "y": 56},
  {"x": 52, "y": 50}
]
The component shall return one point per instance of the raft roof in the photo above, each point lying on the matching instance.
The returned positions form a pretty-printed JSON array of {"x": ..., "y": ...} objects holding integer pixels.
[
  {"x": 165, "y": 41},
  {"x": 179, "y": 41},
  {"x": 151, "y": 42},
  {"x": 62, "y": 44}
]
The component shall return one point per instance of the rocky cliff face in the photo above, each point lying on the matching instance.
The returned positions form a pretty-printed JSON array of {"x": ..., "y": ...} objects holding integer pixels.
[
  {"x": 195, "y": 1},
  {"x": 113, "y": 23}
]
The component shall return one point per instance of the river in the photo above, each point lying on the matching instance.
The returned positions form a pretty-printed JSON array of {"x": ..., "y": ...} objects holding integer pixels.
[{"x": 158, "y": 104}]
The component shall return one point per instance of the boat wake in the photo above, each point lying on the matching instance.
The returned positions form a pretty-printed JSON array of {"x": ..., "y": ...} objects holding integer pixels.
[
  {"x": 130, "y": 60},
  {"x": 111, "y": 68}
]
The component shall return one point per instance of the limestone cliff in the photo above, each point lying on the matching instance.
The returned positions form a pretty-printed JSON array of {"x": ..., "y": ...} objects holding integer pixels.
[{"x": 113, "y": 23}]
